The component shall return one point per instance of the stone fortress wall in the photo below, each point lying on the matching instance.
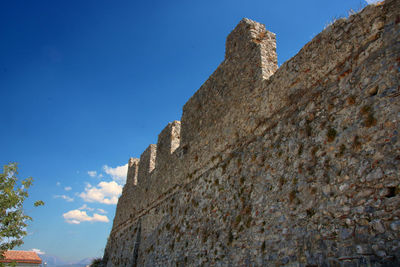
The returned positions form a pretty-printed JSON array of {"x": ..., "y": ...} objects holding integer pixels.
[{"x": 297, "y": 165}]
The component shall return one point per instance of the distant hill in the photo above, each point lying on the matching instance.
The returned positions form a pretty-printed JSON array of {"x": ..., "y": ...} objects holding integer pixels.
[
  {"x": 54, "y": 261},
  {"x": 72, "y": 265}
]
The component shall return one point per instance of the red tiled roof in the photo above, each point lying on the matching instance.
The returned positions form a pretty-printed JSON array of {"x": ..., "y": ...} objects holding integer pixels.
[{"x": 21, "y": 257}]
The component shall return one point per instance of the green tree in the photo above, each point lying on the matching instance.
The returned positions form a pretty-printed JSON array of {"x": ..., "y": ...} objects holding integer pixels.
[{"x": 13, "y": 220}]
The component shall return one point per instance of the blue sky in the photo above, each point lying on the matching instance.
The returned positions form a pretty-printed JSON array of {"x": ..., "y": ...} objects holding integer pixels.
[{"x": 84, "y": 85}]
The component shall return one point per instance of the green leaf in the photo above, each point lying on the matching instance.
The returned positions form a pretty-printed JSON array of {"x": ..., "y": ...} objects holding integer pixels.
[
  {"x": 13, "y": 221},
  {"x": 38, "y": 203}
]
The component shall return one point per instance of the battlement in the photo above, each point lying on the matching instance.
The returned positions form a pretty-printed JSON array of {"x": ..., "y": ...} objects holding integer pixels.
[
  {"x": 250, "y": 40},
  {"x": 250, "y": 59},
  {"x": 168, "y": 142},
  {"x": 146, "y": 163},
  {"x": 259, "y": 147},
  {"x": 132, "y": 176}
]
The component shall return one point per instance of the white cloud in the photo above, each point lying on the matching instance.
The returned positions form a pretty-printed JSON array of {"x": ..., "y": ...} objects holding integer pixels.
[
  {"x": 85, "y": 207},
  {"x": 104, "y": 192},
  {"x": 58, "y": 183},
  {"x": 66, "y": 198},
  {"x": 100, "y": 175},
  {"x": 38, "y": 251},
  {"x": 372, "y": 1},
  {"x": 78, "y": 216},
  {"x": 101, "y": 211},
  {"x": 118, "y": 173},
  {"x": 92, "y": 173},
  {"x": 67, "y": 188}
]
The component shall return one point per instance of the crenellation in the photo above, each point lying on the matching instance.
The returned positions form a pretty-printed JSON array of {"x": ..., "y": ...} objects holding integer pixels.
[
  {"x": 245, "y": 33},
  {"x": 132, "y": 176},
  {"x": 168, "y": 142},
  {"x": 175, "y": 136},
  {"x": 250, "y": 41},
  {"x": 296, "y": 166},
  {"x": 146, "y": 163},
  {"x": 269, "y": 60},
  {"x": 206, "y": 118}
]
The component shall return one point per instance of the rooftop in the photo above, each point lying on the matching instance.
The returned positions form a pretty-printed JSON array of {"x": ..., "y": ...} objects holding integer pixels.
[{"x": 21, "y": 257}]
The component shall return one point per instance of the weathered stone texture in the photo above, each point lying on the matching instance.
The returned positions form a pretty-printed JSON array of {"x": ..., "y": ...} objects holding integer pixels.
[
  {"x": 147, "y": 163},
  {"x": 133, "y": 167},
  {"x": 297, "y": 166},
  {"x": 168, "y": 142}
]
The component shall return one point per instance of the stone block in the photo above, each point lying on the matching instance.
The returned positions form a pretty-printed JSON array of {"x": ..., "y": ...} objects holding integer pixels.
[{"x": 146, "y": 163}]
